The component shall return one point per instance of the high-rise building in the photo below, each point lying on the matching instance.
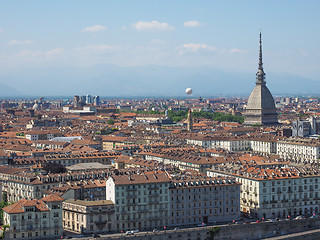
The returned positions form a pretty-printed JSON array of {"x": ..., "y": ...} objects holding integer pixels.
[
  {"x": 96, "y": 100},
  {"x": 260, "y": 106}
]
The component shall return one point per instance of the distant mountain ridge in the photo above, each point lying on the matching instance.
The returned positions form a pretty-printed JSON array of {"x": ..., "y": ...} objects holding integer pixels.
[{"x": 110, "y": 80}]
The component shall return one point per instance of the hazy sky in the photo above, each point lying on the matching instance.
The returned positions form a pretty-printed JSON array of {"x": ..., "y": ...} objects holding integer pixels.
[{"x": 219, "y": 34}]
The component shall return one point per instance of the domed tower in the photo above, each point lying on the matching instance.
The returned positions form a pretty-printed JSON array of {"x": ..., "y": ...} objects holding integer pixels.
[{"x": 260, "y": 106}]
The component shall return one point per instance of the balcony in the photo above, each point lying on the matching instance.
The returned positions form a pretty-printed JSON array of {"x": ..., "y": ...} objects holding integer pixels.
[
  {"x": 131, "y": 190},
  {"x": 142, "y": 210},
  {"x": 102, "y": 222},
  {"x": 131, "y": 196}
]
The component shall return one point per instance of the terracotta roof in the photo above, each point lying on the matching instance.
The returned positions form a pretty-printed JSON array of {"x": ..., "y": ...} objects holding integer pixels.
[
  {"x": 53, "y": 198},
  {"x": 146, "y": 177},
  {"x": 19, "y": 207}
]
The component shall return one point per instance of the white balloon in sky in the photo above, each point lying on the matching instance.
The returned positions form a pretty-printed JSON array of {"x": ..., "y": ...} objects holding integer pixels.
[{"x": 188, "y": 90}]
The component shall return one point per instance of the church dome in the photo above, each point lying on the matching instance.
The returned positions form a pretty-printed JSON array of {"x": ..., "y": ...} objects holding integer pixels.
[{"x": 260, "y": 98}]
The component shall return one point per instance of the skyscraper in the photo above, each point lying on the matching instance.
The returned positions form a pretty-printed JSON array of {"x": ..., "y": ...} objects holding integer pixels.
[{"x": 260, "y": 106}]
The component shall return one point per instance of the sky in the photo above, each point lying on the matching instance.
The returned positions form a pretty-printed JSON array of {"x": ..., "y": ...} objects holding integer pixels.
[{"x": 222, "y": 35}]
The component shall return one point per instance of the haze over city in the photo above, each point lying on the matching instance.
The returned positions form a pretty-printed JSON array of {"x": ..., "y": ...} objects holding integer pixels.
[
  {"x": 159, "y": 120},
  {"x": 143, "y": 48}
]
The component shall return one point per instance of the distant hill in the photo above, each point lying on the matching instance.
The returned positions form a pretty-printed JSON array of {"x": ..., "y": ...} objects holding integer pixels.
[
  {"x": 109, "y": 80},
  {"x": 7, "y": 91}
]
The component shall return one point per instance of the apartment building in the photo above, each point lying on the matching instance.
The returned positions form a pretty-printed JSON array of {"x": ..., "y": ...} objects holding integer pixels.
[
  {"x": 182, "y": 159},
  {"x": 275, "y": 192},
  {"x": 197, "y": 200},
  {"x": 265, "y": 144},
  {"x": 88, "y": 216},
  {"x": 34, "y": 219},
  {"x": 141, "y": 200},
  {"x": 113, "y": 142},
  {"x": 85, "y": 185},
  {"x": 299, "y": 150},
  {"x": 42, "y": 134},
  {"x": 159, "y": 199},
  {"x": 71, "y": 159}
]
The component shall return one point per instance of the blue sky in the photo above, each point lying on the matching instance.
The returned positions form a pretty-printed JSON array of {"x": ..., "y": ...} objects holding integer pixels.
[{"x": 218, "y": 34}]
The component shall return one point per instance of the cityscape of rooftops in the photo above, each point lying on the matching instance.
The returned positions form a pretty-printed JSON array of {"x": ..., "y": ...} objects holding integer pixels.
[{"x": 159, "y": 120}]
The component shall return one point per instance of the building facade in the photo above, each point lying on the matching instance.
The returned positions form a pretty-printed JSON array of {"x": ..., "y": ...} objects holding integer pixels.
[
  {"x": 88, "y": 216},
  {"x": 34, "y": 219}
]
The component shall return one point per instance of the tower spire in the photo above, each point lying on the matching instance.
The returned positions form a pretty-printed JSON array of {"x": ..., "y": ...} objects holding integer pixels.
[
  {"x": 260, "y": 54},
  {"x": 260, "y": 74}
]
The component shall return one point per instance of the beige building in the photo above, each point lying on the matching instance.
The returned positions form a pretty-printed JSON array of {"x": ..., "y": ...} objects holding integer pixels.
[
  {"x": 88, "y": 216},
  {"x": 113, "y": 142},
  {"x": 158, "y": 199},
  {"x": 197, "y": 200},
  {"x": 299, "y": 150},
  {"x": 141, "y": 200},
  {"x": 275, "y": 192},
  {"x": 34, "y": 219}
]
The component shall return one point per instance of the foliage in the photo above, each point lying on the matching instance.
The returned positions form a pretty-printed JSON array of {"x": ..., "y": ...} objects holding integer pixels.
[
  {"x": 147, "y": 112},
  {"x": 4, "y": 231},
  {"x": 3, "y": 204},
  {"x": 177, "y": 116},
  {"x": 217, "y": 116},
  {"x": 110, "y": 121},
  {"x": 213, "y": 231},
  {"x": 54, "y": 168}
]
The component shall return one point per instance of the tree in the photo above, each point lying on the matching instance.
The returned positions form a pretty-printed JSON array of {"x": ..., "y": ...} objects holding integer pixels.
[
  {"x": 54, "y": 168},
  {"x": 110, "y": 121}
]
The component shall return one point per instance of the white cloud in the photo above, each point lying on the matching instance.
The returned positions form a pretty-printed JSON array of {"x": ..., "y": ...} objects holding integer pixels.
[
  {"x": 17, "y": 42},
  {"x": 47, "y": 54},
  {"x": 98, "y": 47},
  {"x": 236, "y": 50},
  {"x": 194, "y": 47},
  {"x": 192, "y": 24},
  {"x": 95, "y": 28},
  {"x": 158, "y": 42},
  {"x": 1, "y": 30},
  {"x": 153, "y": 26},
  {"x": 55, "y": 51}
]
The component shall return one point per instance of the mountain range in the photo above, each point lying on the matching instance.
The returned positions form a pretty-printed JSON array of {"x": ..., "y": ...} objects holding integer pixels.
[{"x": 112, "y": 81}]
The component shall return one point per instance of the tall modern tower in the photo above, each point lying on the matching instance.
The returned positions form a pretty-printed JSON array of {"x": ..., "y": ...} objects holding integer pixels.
[{"x": 260, "y": 106}]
